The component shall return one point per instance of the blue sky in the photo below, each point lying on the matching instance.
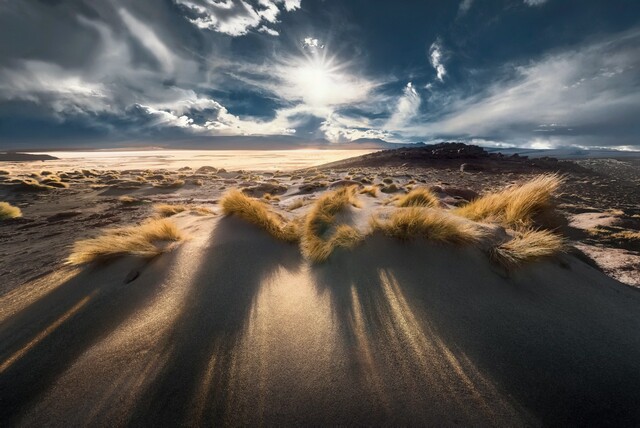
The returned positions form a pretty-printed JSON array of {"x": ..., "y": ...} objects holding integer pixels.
[{"x": 530, "y": 73}]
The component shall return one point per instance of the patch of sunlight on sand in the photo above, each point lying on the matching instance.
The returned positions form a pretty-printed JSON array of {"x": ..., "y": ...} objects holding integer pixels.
[{"x": 290, "y": 334}]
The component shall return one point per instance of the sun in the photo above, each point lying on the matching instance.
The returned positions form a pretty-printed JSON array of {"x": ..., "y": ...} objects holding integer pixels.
[{"x": 315, "y": 80}]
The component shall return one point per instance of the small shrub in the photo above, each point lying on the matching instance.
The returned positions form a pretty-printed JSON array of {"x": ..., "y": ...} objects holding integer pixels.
[
  {"x": 146, "y": 240},
  {"x": 432, "y": 224},
  {"x": 527, "y": 245},
  {"x": 419, "y": 197},
  {"x": 8, "y": 211},
  {"x": 258, "y": 213}
]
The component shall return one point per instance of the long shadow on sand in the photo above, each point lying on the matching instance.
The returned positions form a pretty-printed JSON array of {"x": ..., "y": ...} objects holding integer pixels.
[
  {"x": 41, "y": 341},
  {"x": 439, "y": 338},
  {"x": 193, "y": 385}
]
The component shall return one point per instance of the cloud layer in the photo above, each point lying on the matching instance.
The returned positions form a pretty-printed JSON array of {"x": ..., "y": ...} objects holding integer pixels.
[{"x": 179, "y": 69}]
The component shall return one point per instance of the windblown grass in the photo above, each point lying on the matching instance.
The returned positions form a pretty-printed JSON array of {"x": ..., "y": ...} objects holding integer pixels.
[
  {"x": 516, "y": 205},
  {"x": 146, "y": 240},
  {"x": 370, "y": 191},
  {"x": 627, "y": 235},
  {"x": 319, "y": 237},
  {"x": 420, "y": 197},
  {"x": 528, "y": 245},
  {"x": 29, "y": 184},
  {"x": 8, "y": 211},
  {"x": 431, "y": 224},
  {"x": 129, "y": 200},
  {"x": 260, "y": 214},
  {"x": 167, "y": 210}
]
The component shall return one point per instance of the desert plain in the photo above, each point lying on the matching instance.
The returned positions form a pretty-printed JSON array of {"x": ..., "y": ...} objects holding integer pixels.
[{"x": 440, "y": 285}]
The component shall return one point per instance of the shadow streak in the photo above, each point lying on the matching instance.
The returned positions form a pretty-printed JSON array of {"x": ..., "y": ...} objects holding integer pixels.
[
  {"x": 438, "y": 337},
  {"x": 41, "y": 341},
  {"x": 193, "y": 387}
]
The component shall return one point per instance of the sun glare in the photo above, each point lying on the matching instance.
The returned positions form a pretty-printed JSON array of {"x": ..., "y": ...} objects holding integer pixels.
[{"x": 315, "y": 80}]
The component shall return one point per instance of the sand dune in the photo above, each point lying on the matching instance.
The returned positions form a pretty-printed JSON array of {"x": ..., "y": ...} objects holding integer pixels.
[{"x": 235, "y": 326}]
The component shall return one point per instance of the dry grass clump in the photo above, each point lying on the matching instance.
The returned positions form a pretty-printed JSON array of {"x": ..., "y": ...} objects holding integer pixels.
[
  {"x": 147, "y": 240},
  {"x": 270, "y": 197},
  {"x": 419, "y": 197},
  {"x": 168, "y": 184},
  {"x": 391, "y": 188},
  {"x": 29, "y": 184},
  {"x": 515, "y": 205},
  {"x": 167, "y": 210},
  {"x": 129, "y": 200},
  {"x": 318, "y": 239},
  {"x": 235, "y": 202},
  {"x": 627, "y": 235},
  {"x": 527, "y": 245},
  {"x": 4, "y": 172},
  {"x": 370, "y": 190},
  {"x": 8, "y": 211},
  {"x": 432, "y": 224}
]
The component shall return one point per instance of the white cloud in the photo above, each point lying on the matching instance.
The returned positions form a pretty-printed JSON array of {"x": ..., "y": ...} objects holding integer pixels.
[
  {"x": 267, "y": 30},
  {"x": 464, "y": 7},
  {"x": 534, "y": 2},
  {"x": 310, "y": 42},
  {"x": 436, "y": 58},
  {"x": 407, "y": 108},
  {"x": 236, "y": 17},
  {"x": 339, "y": 129},
  {"x": 290, "y": 5}
]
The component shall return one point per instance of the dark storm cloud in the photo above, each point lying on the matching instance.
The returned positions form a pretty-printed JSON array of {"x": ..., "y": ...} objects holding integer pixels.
[{"x": 532, "y": 73}]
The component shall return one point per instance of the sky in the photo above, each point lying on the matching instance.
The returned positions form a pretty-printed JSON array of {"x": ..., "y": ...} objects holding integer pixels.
[{"x": 501, "y": 73}]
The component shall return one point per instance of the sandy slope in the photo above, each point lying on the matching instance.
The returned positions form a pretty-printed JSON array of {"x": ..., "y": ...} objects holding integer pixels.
[{"x": 236, "y": 327}]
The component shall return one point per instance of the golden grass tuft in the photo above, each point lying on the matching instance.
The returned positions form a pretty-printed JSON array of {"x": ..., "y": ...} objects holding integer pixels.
[
  {"x": 516, "y": 205},
  {"x": 256, "y": 212},
  {"x": 270, "y": 197},
  {"x": 315, "y": 243},
  {"x": 370, "y": 191},
  {"x": 129, "y": 200},
  {"x": 29, "y": 184},
  {"x": 147, "y": 240},
  {"x": 528, "y": 245},
  {"x": 431, "y": 224},
  {"x": 420, "y": 197},
  {"x": 8, "y": 211},
  {"x": 167, "y": 210},
  {"x": 627, "y": 235}
]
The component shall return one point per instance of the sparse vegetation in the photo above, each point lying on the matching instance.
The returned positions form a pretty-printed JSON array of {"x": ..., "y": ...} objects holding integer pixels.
[
  {"x": 146, "y": 240},
  {"x": 8, "y": 211},
  {"x": 516, "y": 205},
  {"x": 627, "y": 235},
  {"x": 420, "y": 197},
  {"x": 431, "y": 224},
  {"x": 167, "y": 210},
  {"x": 129, "y": 200},
  {"x": 526, "y": 246},
  {"x": 260, "y": 214},
  {"x": 298, "y": 203},
  {"x": 319, "y": 237},
  {"x": 370, "y": 190}
]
